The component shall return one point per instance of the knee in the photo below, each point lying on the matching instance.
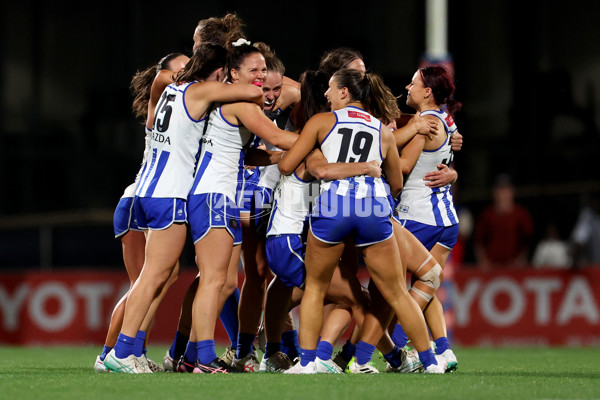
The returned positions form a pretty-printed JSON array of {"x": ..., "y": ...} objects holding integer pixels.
[
  {"x": 433, "y": 277},
  {"x": 229, "y": 286}
]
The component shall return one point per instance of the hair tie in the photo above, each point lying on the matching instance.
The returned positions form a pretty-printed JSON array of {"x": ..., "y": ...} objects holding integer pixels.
[{"x": 240, "y": 42}]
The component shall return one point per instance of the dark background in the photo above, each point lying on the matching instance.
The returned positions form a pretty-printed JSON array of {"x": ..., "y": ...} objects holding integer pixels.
[{"x": 527, "y": 73}]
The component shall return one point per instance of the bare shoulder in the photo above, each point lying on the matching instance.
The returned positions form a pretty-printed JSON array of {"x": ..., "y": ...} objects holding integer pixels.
[
  {"x": 387, "y": 135},
  {"x": 322, "y": 118}
]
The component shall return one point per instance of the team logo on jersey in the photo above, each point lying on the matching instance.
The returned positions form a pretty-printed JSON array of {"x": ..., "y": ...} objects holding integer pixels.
[
  {"x": 449, "y": 120},
  {"x": 402, "y": 208},
  {"x": 233, "y": 223},
  {"x": 356, "y": 114}
]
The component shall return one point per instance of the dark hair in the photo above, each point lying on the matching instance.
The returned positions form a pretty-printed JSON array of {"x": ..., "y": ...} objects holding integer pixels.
[
  {"x": 237, "y": 55},
  {"x": 273, "y": 62},
  {"x": 339, "y": 58},
  {"x": 141, "y": 84},
  {"x": 207, "y": 58},
  {"x": 313, "y": 85},
  {"x": 438, "y": 79},
  {"x": 222, "y": 30},
  {"x": 369, "y": 89}
]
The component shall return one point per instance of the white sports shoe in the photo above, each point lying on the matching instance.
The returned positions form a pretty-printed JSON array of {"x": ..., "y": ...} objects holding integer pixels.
[
  {"x": 440, "y": 368},
  {"x": 278, "y": 362},
  {"x": 248, "y": 363},
  {"x": 356, "y": 368},
  {"x": 145, "y": 365},
  {"x": 311, "y": 368},
  {"x": 327, "y": 367},
  {"x": 450, "y": 358},
  {"x": 129, "y": 365},
  {"x": 409, "y": 365},
  {"x": 99, "y": 366},
  {"x": 169, "y": 365}
]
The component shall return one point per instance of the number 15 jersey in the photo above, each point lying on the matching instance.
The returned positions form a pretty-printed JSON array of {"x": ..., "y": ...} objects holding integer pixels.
[
  {"x": 355, "y": 137},
  {"x": 170, "y": 166}
]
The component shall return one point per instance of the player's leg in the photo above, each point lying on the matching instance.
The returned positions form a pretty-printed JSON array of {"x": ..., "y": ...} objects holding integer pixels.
[
  {"x": 133, "y": 245},
  {"x": 384, "y": 265},
  {"x": 321, "y": 260}
]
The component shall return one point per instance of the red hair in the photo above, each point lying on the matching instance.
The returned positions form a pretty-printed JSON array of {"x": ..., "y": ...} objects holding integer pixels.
[{"x": 438, "y": 79}]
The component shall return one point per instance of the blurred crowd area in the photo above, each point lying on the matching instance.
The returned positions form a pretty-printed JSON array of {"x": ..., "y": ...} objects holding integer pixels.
[
  {"x": 532, "y": 232},
  {"x": 503, "y": 231}
]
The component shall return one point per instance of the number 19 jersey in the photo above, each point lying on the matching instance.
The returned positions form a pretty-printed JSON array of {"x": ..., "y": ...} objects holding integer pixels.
[{"x": 355, "y": 137}]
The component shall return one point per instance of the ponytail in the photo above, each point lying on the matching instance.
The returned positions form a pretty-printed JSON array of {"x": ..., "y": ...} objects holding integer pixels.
[{"x": 369, "y": 89}]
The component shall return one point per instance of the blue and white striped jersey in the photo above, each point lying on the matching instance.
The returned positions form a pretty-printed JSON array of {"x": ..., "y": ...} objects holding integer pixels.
[
  {"x": 221, "y": 164},
  {"x": 292, "y": 203},
  {"x": 170, "y": 164},
  {"x": 130, "y": 190},
  {"x": 431, "y": 206},
  {"x": 355, "y": 137}
]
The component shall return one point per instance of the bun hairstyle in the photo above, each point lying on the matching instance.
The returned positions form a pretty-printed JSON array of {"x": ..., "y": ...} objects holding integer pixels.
[
  {"x": 371, "y": 91},
  {"x": 438, "y": 79},
  {"x": 220, "y": 30},
  {"x": 207, "y": 58},
  {"x": 141, "y": 84}
]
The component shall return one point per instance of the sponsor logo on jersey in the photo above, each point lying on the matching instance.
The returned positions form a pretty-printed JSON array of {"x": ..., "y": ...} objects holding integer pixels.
[
  {"x": 160, "y": 138},
  {"x": 356, "y": 114},
  {"x": 449, "y": 120},
  {"x": 402, "y": 208},
  {"x": 233, "y": 223},
  {"x": 207, "y": 141}
]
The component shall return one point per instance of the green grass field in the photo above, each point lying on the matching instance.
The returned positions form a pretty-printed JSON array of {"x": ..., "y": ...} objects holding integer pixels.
[{"x": 508, "y": 373}]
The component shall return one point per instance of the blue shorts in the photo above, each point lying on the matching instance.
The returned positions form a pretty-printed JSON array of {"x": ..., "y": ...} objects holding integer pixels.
[
  {"x": 430, "y": 235},
  {"x": 214, "y": 210},
  {"x": 159, "y": 213},
  {"x": 285, "y": 256},
  {"x": 366, "y": 220},
  {"x": 124, "y": 218},
  {"x": 251, "y": 178}
]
